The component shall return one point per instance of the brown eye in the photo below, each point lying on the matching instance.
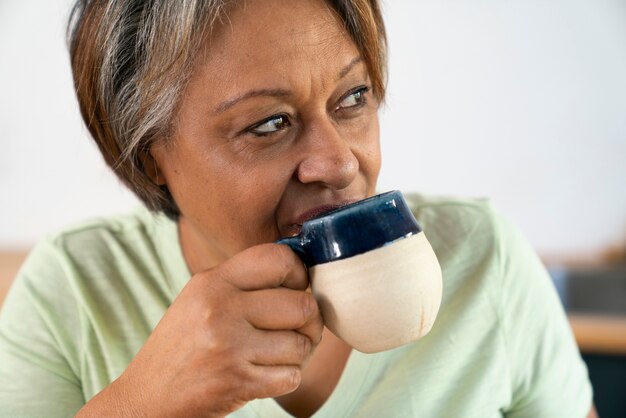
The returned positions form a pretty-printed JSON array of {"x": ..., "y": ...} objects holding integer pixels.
[
  {"x": 270, "y": 125},
  {"x": 354, "y": 98}
]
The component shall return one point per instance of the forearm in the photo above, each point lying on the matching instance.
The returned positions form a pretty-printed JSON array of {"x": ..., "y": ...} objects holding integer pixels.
[{"x": 114, "y": 401}]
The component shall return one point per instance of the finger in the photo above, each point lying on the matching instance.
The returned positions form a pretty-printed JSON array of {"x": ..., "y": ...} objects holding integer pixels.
[
  {"x": 265, "y": 266},
  {"x": 283, "y": 309},
  {"x": 272, "y": 381},
  {"x": 279, "y": 348}
]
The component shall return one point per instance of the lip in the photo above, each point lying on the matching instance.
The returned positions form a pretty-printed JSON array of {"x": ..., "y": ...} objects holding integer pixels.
[{"x": 296, "y": 223}]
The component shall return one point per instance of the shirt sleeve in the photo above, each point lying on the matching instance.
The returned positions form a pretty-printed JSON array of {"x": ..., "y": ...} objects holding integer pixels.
[
  {"x": 38, "y": 333},
  {"x": 547, "y": 374}
]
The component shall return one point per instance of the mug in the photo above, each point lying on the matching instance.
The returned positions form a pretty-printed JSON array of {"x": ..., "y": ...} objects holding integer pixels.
[{"x": 373, "y": 273}]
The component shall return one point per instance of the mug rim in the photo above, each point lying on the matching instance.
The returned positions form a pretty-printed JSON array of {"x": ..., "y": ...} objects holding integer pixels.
[
  {"x": 365, "y": 225},
  {"x": 360, "y": 203}
]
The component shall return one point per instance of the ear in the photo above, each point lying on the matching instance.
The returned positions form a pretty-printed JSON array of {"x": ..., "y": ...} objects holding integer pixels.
[{"x": 151, "y": 168}]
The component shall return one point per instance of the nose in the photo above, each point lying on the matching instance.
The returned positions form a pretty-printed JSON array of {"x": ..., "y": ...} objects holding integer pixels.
[{"x": 328, "y": 158}]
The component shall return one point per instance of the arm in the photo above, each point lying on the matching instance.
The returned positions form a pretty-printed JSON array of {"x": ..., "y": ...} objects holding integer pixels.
[
  {"x": 592, "y": 413},
  {"x": 238, "y": 332}
]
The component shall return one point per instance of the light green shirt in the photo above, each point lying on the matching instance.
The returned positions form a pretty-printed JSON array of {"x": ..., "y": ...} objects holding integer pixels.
[{"x": 87, "y": 299}]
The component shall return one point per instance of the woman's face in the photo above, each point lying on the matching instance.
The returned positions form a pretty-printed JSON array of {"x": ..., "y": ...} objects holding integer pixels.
[{"x": 277, "y": 124}]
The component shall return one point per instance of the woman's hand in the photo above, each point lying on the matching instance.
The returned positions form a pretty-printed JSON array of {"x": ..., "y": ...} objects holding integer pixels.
[{"x": 240, "y": 331}]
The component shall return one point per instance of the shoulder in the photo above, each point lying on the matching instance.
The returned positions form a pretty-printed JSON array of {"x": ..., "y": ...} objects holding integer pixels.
[
  {"x": 461, "y": 230},
  {"x": 478, "y": 247},
  {"x": 451, "y": 213},
  {"x": 501, "y": 330},
  {"x": 101, "y": 233},
  {"x": 97, "y": 252},
  {"x": 486, "y": 262},
  {"x": 109, "y": 241}
]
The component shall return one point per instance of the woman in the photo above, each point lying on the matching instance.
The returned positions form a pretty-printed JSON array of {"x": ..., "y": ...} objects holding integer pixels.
[{"x": 238, "y": 121}]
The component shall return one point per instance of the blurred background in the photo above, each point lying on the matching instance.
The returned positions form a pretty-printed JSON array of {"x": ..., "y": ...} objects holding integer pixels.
[{"x": 522, "y": 102}]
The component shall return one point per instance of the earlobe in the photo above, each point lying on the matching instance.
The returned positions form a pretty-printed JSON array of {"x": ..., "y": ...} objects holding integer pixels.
[{"x": 151, "y": 168}]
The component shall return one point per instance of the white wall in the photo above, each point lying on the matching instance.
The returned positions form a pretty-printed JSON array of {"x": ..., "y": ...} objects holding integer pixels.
[
  {"x": 51, "y": 173},
  {"x": 520, "y": 101}
]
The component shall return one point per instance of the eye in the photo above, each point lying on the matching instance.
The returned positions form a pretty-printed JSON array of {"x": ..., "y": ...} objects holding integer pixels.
[
  {"x": 354, "y": 98},
  {"x": 270, "y": 125}
]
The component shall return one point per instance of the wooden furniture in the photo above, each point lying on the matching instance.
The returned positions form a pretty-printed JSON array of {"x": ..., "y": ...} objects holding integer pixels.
[
  {"x": 10, "y": 263},
  {"x": 593, "y": 292},
  {"x": 599, "y": 334}
]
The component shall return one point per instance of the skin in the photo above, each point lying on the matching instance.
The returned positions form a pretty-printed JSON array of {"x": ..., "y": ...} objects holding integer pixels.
[
  {"x": 237, "y": 189},
  {"x": 246, "y": 169}
]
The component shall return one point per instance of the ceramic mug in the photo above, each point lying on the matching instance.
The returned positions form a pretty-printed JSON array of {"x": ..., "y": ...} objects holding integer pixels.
[{"x": 373, "y": 273}]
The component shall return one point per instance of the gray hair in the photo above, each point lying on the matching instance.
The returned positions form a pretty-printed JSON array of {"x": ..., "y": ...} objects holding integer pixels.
[{"x": 131, "y": 60}]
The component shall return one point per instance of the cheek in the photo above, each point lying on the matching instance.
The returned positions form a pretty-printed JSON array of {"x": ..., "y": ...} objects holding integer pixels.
[
  {"x": 247, "y": 206},
  {"x": 367, "y": 148},
  {"x": 234, "y": 208},
  {"x": 249, "y": 190}
]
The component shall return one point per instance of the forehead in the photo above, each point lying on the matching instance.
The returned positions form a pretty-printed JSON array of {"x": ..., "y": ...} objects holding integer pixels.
[{"x": 261, "y": 40}]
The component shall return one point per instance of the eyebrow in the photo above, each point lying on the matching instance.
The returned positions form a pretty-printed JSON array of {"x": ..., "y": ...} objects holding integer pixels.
[
  {"x": 345, "y": 70},
  {"x": 227, "y": 104}
]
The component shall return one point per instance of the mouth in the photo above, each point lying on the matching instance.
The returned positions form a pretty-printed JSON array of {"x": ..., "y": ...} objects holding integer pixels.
[{"x": 295, "y": 226}]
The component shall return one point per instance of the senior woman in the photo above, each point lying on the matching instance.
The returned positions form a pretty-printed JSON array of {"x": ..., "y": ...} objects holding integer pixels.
[{"x": 234, "y": 122}]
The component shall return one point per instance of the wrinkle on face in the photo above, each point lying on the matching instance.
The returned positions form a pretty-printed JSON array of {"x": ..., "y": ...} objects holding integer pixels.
[{"x": 236, "y": 190}]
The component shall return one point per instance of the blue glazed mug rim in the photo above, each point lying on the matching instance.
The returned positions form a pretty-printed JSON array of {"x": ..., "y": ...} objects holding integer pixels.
[
  {"x": 354, "y": 229},
  {"x": 362, "y": 203}
]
